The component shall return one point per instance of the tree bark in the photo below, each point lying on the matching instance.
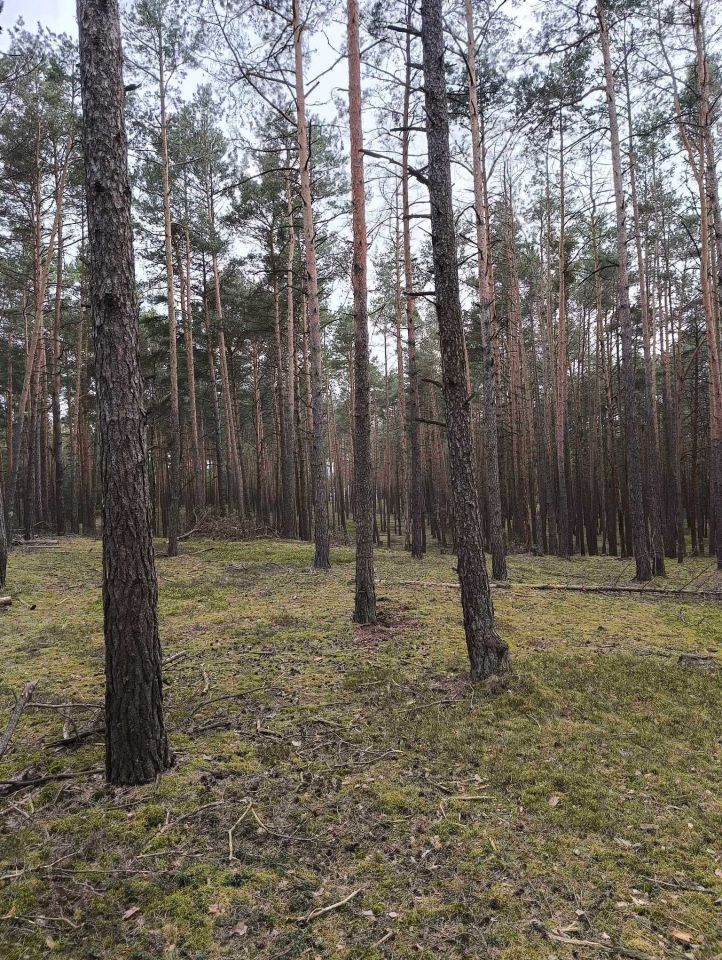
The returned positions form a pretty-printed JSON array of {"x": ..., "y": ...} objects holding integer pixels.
[
  {"x": 40, "y": 282},
  {"x": 186, "y": 301},
  {"x": 136, "y": 744},
  {"x": 560, "y": 423},
  {"x": 488, "y": 653},
  {"x": 492, "y": 484},
  {"x": 654, "y": 490},
  {"x": 174, "y": 428},
  {"x": 365, "y": 600},
  {"x": 213, "y": 386},
  {"x": 634, "y": 467},
  {"x": 415, "y": 471},
  {"x": 56, "y": 354},
  {"x": 711, "y": 227},
  {"x": 319, "y": 439}
]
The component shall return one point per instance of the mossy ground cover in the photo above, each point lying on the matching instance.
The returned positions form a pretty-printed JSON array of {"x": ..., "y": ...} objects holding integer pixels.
[{"x": 578, "y": 801}]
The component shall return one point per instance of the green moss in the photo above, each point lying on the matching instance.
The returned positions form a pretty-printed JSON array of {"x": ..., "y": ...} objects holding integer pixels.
[{"x": 343, "y": 752}]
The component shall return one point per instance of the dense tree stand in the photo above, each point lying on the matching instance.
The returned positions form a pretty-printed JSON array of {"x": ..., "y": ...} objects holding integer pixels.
[
  {"x": 488, "y": 653},
  {"x": 136, "y": 744}
]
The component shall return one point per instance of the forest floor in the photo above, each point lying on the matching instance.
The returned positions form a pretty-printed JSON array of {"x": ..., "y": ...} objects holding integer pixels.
[{"x": 574, "y": 810}]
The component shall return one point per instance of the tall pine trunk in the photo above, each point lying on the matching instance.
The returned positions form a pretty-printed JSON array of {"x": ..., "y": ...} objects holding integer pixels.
[
  {"x": 319, "y": 438},
  {"x": 488, "y": 653},
  {"x": 491, "y": 440},
  {"x": 59, "y": 479},
  {"x": 174, "y": 428},
  {"x": 635, "y": 512},
  {"x": 136, "y": 745},
  {"x": 711, "y": 228},
  {"x": 415, "y": 472},
  {"x": 365, "y": 600},
  {"x": 560, "y": 422}
]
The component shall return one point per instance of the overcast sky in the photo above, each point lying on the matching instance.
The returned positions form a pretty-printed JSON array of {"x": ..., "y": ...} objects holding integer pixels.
[{"x": 57, "y": 15}]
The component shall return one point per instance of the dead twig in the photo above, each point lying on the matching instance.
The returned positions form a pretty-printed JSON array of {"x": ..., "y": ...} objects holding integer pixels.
[
  {"x": 227, "y": 696},
  {"x": 274, "y": 833},
  {"x": 186, "y": 816},
  {"x": 427, "y": 705},
  {"x": 616, "y": 948},
  {"x": 30, "y": 606},
  {"x": 387, "y": 936},
  {"x": 471, "y": 796},
  {"x": 320, "y": 911},
  {"x": 22, "y": 702},
  {"x": 239, "y": 821}
]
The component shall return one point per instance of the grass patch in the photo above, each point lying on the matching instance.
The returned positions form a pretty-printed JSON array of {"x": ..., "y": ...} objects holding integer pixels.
[{"x": 581, "y": 796}]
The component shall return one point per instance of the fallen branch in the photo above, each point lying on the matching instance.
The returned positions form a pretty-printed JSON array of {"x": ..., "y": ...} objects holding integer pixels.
[
  {"x": 497, "y": 585},
  {"x": 653, "y": 591},
  {"x": 571, "y": 587},
  {"x": 87, "y": 733},
  {"x": 472, "y": 796},
  {"x": 174, "y": 658},
  {"x": 320, "y": 911},
  {"x": 22, "y": 702},
  {"x": 5, "y": 601},
  {"x": 618, "y": 948},
  {"x": 227, "y": 696},
  {"x": 66, "y": 706},
  {"x": 35, "y": 542},
  {"x": 198, "y": 525},
  {"x": 14, "y": 784}
]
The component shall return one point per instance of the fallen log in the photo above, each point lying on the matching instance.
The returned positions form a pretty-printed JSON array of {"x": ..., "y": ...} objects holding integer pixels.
[
  {"x": 22, "y": 702},
  {"x": 35, "y": 542},
  {"x": 571, "y": 587},
  {"x": 613, "y": 588},
  {"x": 5, "y": 601},
  {"x": 496, "y": 584}
]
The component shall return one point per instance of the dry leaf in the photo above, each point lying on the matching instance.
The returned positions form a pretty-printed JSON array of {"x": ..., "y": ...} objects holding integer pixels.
[
  {"x": 554, "y": 801},
  {"x": 240, "y": 929},
  {"x": 684, "y": 936},
  {"x": 131, "y": 912},
  {"x": 215, "y": 909}
]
